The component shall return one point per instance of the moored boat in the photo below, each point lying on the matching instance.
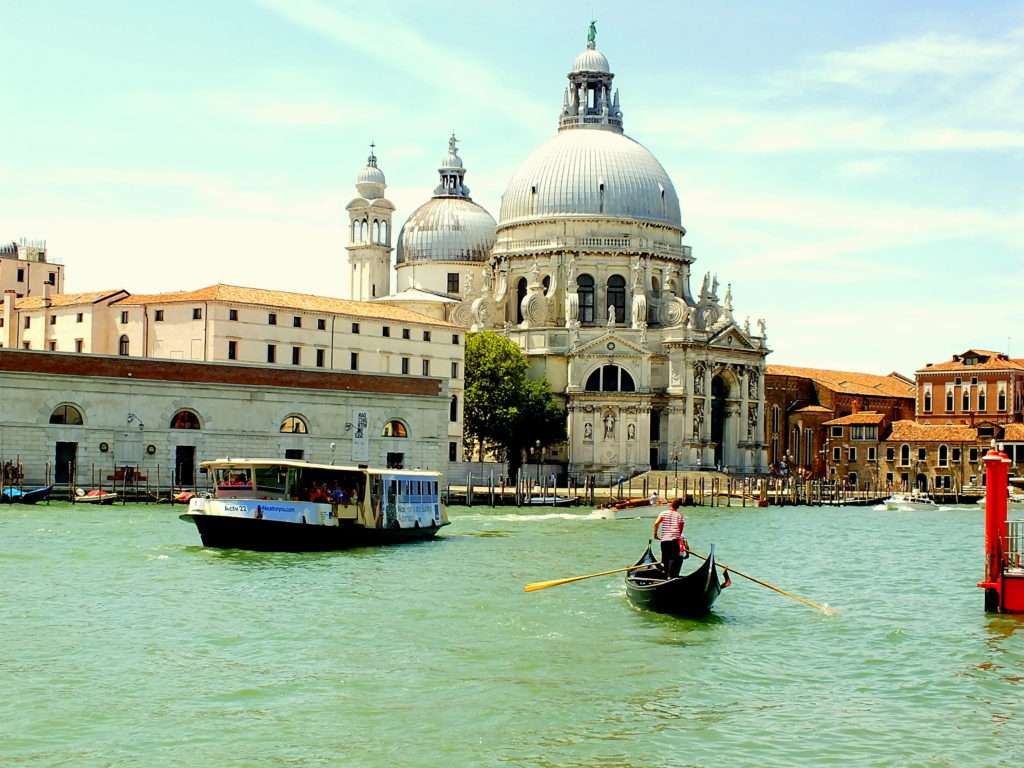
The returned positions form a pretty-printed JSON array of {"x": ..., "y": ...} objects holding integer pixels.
[
  {"x": 690, "y": 594},
  {"x": 553, "y": 501},
  {"x": 94, "y": 496},
  {"x": 12, "y": 495},
  {"x": 916, "y": 500},
  {"x": 284, "y": 505}
]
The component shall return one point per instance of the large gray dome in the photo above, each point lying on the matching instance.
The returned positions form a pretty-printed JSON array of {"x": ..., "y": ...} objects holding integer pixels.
[
  {"x": 446, "y": 229},
  {"x": 590, "y": 173}
]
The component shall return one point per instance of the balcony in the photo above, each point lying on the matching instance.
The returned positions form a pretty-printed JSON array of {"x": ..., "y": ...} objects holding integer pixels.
[{"x": 629, "y": 245}]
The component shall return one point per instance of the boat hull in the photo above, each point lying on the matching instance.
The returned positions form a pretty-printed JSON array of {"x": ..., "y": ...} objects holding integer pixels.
[
  {"x": 691, "y": 594},
  {"x": 261, "y": 535},
  {"x": 16, "y": 496}
]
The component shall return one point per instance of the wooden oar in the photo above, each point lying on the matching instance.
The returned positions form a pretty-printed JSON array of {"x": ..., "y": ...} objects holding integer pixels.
[
  {"x": 823, "y": 608},
  {"x": 559, "y": 582}
]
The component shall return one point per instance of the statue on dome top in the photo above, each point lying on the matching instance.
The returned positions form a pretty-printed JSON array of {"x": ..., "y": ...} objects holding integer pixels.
[{"x": 592, "y": 34}]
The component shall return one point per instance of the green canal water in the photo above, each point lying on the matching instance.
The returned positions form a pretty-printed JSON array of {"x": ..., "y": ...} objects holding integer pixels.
[{"x": 125, "y": 643}]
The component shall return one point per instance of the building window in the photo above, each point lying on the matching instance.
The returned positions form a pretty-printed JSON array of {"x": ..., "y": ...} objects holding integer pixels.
[
  {"x": 52, "y": 278},
  {"x": 122, "y": 346},
  {"x": 395, "y": 428},
  {"x": 124, "y": 317},
  {"x": 972, "y": 455},
  {"x": 21, "y": 275},
  {"x": 321, "y": 324},
  {"x": 453, "y": 409},
  {"x": 851, "y": 479},
  {"x": 455, "y": 370},
  {"x": 78, "y": 345},
  {"x": 949, "y": 398},
  {"x": 617, "y": 297},
  {"x": 455, "y": 338},
  {"x": 355, "y": 327},
  {"x": 453, "y": 282},
  {"x": 65, "y": 413},
  {"x": 232, "y": 350},
  {"x": 610, "y": 378},
  {"x": 453, "y": 451},
  {"x": 197, "y": 313},
  {"x": 271, "y": 353},
  {"x": 26, "y": 345},
  {"x": 520, "y": 295},
  {"x": 185, "y": 419},
  {"x": 158, "y": 316},
  {"x": 320, "y": 358},
  {"x": 585, "y": 295},
  {"x": 353, "y": 361},
  {"x": 965, "y": 399},
  {"x": 272, "y": 318},
  {"x": 852, "y": 454},
  {"x": 943, "y": 456},
  {"x": 904, "y": 455},
  {"x": 296, "y": 355},
  {"x": 983, "y": 398},
  {"x": 53, "y": 319},
  {"x": 296, "y": 321},
  {"x": 28, "y": 322},
  {"x": 386, "y": 331},
  {"x": 295, "y": 425},
  {"x": 53, "y": 346},
  {"x": 837, "y": 454},
  {"x": 955, "y": 458},
  {"x": 232, "y": 314},
  {"x": 406, "y": 333},
  {"x": 922, "y": 454},
  {"x": 405, "y": 365},
  {"x": 871, "y": 454},
  {"x": 79, "y": 317},
  {"x": 927, "y": 398},
  {"x": 890, "y": 454},
  {"x": 426, "y": 335},
  {"x": 837, "y": 431},
  {"x": 1001, "y": 396},
  {"x": 426, "y": 367}
]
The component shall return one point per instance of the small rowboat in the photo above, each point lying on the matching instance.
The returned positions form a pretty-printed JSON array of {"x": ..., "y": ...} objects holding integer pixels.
[
  {"x": 11, "y": 495},
  {"x": 183, "y": 498},
  {"x": 691, "y": 594},
  {"x": 95, "y": 496}
]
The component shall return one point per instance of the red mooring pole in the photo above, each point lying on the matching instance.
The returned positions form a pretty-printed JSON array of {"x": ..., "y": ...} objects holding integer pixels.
[{"x": 997, "y": 496}]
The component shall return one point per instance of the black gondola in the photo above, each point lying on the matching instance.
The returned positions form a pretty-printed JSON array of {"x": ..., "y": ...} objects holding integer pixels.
[{"x": 691, "y": 594}]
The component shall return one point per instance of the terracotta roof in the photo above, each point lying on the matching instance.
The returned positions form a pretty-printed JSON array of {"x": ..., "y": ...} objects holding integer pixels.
[
  {"x": 1013, "y": 432},
  {"x": 911, "y": 431},
  {"x": 850, "y": 382},
  {"x": 236, "y": 294},
  {"x": 66, "y": 299},
  {"x": 812, "y": 409},
  {"x": 993, "y": 361},
  {"x": 853, "y": 419}
]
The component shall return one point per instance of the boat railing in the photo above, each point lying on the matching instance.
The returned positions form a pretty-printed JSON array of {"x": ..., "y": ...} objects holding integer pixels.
[{"x": 1014, "y": 548}]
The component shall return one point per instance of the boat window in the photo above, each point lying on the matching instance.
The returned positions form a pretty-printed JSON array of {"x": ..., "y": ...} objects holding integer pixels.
[
  {"x": 271, "y": 479},
  {"x": 233, "y": 478}
]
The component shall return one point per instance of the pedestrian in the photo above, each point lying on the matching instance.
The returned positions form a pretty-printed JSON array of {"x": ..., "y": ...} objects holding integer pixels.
[{"x": 668, "y": 529}]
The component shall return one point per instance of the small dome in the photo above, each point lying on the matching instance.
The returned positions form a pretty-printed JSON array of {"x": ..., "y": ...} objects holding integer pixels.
[
  {"x": 371, "y": 174},
  {"x": 446, "y": 229},
  {"x": 591, "y": 60},
  {"x": 370, "y": 181}
]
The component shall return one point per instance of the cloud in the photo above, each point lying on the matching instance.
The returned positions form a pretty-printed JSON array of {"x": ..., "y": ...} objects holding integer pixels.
[{"x": 856, "y": 169}]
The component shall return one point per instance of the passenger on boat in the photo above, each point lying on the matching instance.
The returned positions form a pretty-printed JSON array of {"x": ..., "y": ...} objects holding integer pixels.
[{"x": 668, "y": 528}]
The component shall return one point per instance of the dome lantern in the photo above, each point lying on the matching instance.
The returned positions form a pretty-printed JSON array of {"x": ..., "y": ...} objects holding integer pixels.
[{"x": 589, "y": 100}]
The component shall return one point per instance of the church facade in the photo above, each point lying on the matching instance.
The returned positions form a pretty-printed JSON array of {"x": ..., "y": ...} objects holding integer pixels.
[{"x": 586, "y": 271}]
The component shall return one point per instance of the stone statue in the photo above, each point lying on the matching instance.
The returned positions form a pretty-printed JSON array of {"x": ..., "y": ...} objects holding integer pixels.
[
  {"x": 637, "y": 269},
  {"x": 609, "y": 425},
  {"x": 714, "y": 287},
  {"x": 698, "y": 420},
  {"x": 570, "y": 274},
  {"x": 698, "y": 377},
  {"x": 752, "y": 379},
  {"x": 761, "y": 326},
  {"x": 486, "y": 280},
  {"x": 746, "y": 326},
  {"x": 588, "y": 431},
  {"x": 751, "y": 420},
  {"x": 592, "y": 34},
  {"x": 631, "y": 432},
  {"x": 611, "y": 315},
  {"x": 451, "y": 144}
]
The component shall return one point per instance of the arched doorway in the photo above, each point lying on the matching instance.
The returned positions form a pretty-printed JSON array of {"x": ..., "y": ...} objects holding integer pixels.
[{"x": 719, "y": 393}]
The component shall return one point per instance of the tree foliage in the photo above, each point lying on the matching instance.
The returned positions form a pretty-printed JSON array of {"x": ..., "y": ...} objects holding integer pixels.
[{"x": 504, "y": 407}]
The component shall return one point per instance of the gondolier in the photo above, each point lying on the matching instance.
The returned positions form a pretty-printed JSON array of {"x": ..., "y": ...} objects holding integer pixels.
[{"x": 668, "y": 529}]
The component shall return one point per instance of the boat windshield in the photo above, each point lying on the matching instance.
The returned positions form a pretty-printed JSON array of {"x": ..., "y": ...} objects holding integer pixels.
[{"x": 232, "y": 478}]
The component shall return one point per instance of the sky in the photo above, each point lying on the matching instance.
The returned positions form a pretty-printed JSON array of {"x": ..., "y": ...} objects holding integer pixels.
[{"x": 853, "y": 170}]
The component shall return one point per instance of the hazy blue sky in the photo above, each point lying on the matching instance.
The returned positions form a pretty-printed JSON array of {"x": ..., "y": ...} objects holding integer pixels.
[{"x": 855, "y": 172}]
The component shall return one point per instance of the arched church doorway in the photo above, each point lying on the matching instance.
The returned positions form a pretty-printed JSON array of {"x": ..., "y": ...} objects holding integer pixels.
[{"x": 719, "y": 392}]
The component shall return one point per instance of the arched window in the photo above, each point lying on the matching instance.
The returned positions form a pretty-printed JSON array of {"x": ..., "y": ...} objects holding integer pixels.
[
  {"x": 184, "y": 419},
  {"x": 122, "y": 346},
  {"x": 376, "y": 231},
  {"x": 395, "y": 428},
  {"x": 453, "y": 409},
  {"x": 655, "y": 287},
  {"x": 384, "y": 232},
  {"x": 365, "y": 231},
  {"x": 295, "y": 425},
  {"x": 943, "y": 456},
  {"x": 795, "y": 446},
  {"x": 808, "y": 447},
  {"x": 610, "y": 378},
  {"x": 585, "y": 292},
  {"x": 546, "y": 282},
  {"x": 352, "y": 231},
  {"x": 904, "y": 455},
  {"x": 617, "y": 297},
  {"x": 520, "y": 295},
  {"x": 65, "y": 413}
]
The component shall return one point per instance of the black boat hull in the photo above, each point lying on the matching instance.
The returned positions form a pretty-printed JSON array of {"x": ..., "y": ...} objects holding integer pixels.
[
  {"x": 12, "y": 496},
  {"x": 223, "y": 532},
  {"x": 691, "y": 594}
]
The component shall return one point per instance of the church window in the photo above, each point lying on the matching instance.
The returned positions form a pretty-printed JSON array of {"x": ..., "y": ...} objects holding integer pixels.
[
  {"x": 185, "y": 419},
  {"x": 376, "y": 231},
  {"x": 395, "y": 428},
  {"x": 384, "y": 232},
  {"x": 520, "y": 295},
  {"x": 585, "y": 292},
  {"x": 617, "y": 296},
  {"x": 610, "y": 378},
  {"x": 295, "y": 425},
  {"x": 453, "y": 282},
  {"x": 453, "y": 409},
  {"x": 66, "y": 414}
]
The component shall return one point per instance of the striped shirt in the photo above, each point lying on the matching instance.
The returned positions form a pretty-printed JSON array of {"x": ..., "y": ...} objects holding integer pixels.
[{"x": 671, "y": 525}]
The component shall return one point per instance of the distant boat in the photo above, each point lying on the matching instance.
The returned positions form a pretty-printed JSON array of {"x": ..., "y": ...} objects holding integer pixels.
[
  {"x": 553, "y": 501},
  {"x": 648, "y": 506},
  {"x": 690, "y": 595},
  {"x": 914, "y": 500},
  {"x": 11, "y": 495},
  {"x": 95, "y": 496}
]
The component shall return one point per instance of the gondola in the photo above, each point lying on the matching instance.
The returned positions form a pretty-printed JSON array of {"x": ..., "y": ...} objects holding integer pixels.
[
  {"x": 691, "y": 594},
  {"x": 11, "y": 495}
]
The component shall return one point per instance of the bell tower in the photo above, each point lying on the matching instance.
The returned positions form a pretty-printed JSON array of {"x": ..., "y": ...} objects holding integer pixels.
[{"x": 369, "y": 235}]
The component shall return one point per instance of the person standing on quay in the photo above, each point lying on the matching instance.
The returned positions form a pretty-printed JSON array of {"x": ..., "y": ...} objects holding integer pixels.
[{"x": 671, "y": 523}]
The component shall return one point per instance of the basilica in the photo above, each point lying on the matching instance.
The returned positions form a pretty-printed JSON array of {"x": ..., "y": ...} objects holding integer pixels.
[{"x": 586, "y": 271}]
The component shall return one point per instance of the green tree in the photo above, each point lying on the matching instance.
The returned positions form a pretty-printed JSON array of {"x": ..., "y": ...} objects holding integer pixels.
[{"x": 504, "y": 408}]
